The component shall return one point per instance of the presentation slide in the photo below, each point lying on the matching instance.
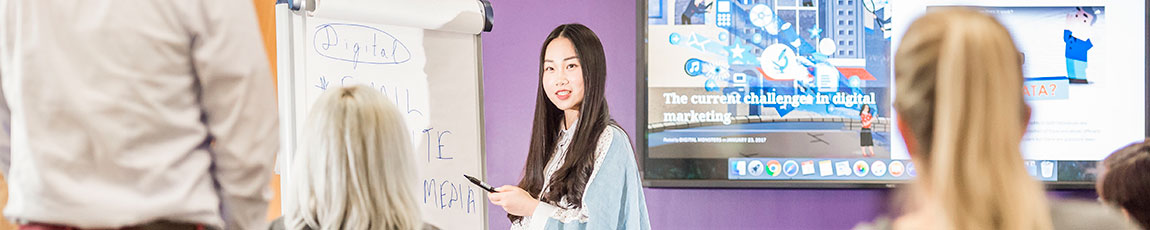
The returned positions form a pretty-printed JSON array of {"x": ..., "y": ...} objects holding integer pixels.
[
  {"x": 802, "y": 89},
  {"x": 1084, "y": 78}
]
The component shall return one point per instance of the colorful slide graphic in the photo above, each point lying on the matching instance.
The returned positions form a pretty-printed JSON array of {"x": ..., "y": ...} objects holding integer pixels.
[{"x": 785, "y": 78}]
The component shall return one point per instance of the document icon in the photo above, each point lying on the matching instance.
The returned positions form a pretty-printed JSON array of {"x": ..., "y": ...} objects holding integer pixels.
[
  {"x": 843, "y": 168},
  {"x": 825, "y": 168},
  {"x": 808, "y": 167}
]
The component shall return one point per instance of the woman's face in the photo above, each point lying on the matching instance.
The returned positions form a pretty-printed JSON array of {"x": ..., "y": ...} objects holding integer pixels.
[{"x": 563, "y": 75}]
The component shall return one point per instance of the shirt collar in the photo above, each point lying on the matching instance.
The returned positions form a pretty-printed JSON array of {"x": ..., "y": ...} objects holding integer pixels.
[{"x": 571, "y": 129}]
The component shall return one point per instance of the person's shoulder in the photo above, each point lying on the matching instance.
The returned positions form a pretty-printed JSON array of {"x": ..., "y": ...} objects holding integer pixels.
[
  {"x": 615, "y": 146},
  {"x": 612, "y": 138},
  {"x": 1079, "y": 214}
]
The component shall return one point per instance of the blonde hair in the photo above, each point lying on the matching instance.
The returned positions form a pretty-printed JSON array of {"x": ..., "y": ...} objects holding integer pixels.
[
  {"x": 959, "y": 78},
  {"x": 354, "y": 168}
]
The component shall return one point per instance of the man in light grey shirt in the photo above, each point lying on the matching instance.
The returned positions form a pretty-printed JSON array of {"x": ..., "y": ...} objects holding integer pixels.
[{"x": 127, "y": 113}]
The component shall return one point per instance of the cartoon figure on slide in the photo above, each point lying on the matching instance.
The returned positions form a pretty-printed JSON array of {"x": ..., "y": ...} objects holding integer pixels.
[
  {"x": 866, "y": 140},
  {"x": 1079, "y": 30}
]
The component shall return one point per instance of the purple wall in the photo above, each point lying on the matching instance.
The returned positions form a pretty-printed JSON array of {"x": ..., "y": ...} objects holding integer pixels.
[{"x": 510, "y": 65}]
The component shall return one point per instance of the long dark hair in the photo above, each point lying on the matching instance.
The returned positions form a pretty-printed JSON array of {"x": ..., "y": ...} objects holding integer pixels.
[{"x": 569, "y": 181}]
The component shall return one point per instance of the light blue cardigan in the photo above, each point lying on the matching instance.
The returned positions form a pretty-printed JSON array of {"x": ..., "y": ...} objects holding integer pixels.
[{"x": 614, "y": 196}]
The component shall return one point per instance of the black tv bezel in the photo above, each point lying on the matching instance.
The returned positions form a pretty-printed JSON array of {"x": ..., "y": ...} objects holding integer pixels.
[{"x": 641, "y": 127}]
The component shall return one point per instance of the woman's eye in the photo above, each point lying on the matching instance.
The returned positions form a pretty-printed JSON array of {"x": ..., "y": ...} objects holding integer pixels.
[
  {"x": 548, "y": 68},
  {"x": 571, "y": 66}
]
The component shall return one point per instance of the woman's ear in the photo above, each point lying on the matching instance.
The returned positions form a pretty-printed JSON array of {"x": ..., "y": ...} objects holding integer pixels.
[{"x": 907, "y": 137}]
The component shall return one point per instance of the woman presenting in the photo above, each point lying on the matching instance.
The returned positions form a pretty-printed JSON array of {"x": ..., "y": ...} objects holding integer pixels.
[{"x": 581, "y": 171}]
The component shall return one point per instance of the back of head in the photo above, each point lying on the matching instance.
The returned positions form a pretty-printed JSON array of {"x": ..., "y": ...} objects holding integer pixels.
[
  {"x": 353, "y": 169},
  {"x": 959, "y": 92},
  {"x": 1126, "y": 181}
]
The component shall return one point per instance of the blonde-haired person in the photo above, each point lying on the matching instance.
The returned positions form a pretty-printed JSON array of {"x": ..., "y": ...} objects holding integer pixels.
[
  {"x": 962, "y": 115},
  {"x": 354, "y": 169}
]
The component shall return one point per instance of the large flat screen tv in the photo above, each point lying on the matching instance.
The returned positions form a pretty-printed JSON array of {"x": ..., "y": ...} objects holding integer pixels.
[{"x": 773, "y": 93}]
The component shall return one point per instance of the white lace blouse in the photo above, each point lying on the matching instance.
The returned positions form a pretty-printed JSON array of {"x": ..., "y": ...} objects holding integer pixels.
[{"x": 562, "y": 212}]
